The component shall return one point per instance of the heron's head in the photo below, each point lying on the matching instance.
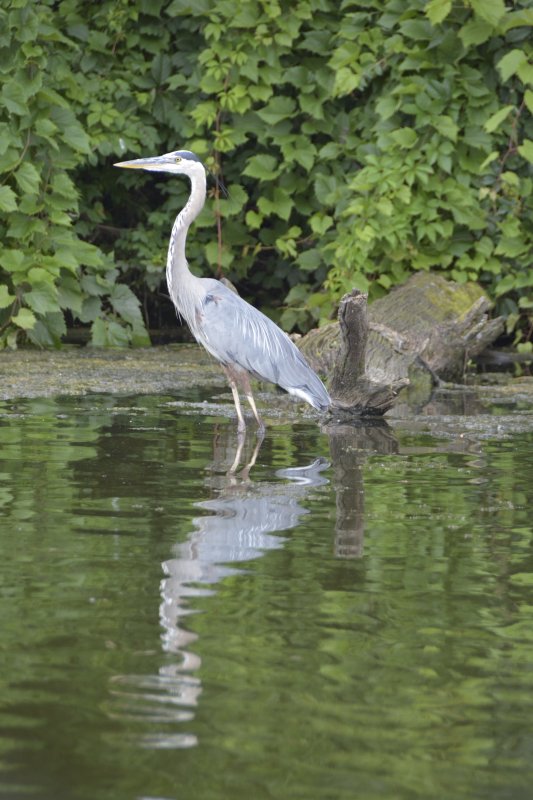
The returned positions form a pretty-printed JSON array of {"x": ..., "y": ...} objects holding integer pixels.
[{"x": 179, "y": 162}]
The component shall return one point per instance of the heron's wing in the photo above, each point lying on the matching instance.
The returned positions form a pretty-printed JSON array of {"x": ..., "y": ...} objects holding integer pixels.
[{"x": 238, "y": 334}]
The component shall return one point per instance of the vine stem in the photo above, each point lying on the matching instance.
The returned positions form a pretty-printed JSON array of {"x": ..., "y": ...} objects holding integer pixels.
[
  {"x": 218, "y": 215},
  {"x": 513, "y": 138}
]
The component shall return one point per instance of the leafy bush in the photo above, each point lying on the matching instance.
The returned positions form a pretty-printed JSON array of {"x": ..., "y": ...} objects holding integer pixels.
[
  {"x": 445, "y": 150},
  {"x": 47, "y": 269},
  {"x": 359, "y": 143}
]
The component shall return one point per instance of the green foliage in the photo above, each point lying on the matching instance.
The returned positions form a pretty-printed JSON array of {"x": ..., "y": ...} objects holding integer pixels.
[
  {"x": 442, "y": 145},
  {"x": 359, "y": 142},
  {"x": 49, "y": 274}
]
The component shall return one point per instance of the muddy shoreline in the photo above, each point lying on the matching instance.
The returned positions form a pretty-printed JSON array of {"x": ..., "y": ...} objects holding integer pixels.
[{"x": 488, "y": 404}]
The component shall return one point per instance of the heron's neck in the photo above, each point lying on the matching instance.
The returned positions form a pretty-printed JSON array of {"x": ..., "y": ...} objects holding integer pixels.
[{"x": 179, "y": 277}]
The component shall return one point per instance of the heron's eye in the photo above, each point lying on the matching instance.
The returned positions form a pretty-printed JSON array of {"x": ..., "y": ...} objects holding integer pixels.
[{"x": 177, "y": 159}]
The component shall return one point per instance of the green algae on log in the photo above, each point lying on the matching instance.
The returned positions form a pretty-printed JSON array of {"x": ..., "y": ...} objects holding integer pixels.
[{"x": 427, "y": 329}]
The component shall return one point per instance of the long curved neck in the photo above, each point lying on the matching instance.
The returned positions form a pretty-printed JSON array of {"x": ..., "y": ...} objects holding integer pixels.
[{"x": 180, "y": 280}]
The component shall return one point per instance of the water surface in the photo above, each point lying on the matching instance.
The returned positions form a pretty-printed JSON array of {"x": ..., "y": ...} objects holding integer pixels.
[{"x": 347, "y": 614}]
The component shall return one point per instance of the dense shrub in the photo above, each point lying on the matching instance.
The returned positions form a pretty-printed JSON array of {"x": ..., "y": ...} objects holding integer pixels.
[{"x": 359, "y": 142}]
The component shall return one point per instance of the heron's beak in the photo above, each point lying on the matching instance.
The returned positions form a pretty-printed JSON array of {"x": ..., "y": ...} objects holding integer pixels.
[{"x": 154, "y": 163}]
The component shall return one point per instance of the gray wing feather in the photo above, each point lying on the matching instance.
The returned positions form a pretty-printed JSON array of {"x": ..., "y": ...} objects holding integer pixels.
[{"x": 237, "y": 333}]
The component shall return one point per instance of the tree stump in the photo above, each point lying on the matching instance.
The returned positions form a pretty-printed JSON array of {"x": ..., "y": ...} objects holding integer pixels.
[
  {"x": 424, "y": 331},
  {"x": 352, "y": 392}
]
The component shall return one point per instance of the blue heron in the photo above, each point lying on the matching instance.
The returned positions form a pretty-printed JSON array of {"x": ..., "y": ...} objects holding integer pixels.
[{"x": 241, "y": 338}]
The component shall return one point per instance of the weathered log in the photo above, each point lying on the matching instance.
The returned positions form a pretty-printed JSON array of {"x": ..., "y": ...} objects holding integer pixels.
[
  {"x": 350, "y": 359},
  {"x": 423, "y": 331},
  {"x": 352, "y": 391}
]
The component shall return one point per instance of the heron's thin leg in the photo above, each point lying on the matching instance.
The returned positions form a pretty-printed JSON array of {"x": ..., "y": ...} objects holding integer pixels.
[
  {"x": 249, "y": 396},
  {"x": 241, "y": 427},
  {"x": 233, "y": 386},
  {"x": 260, "y": 423}
]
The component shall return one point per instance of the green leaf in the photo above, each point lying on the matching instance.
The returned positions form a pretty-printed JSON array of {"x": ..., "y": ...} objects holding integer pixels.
[
  {"x": 518, "y": 19},
  {"x": 320, "y": 223},
  {"x": 509, "y": 64},
  {"x": 494, "y": 121},
  {"x": 6, "y": 299},
  {"x": 8, "y": 199},
  {"x": 48, "y": 330},
  {"x": 475, "y": 32},
  {"x": 45, "y": 127},
  {"x": 37, "y": 275},
  {"x": 75, "y": 136},
  {"x": 22, "y": 226},
  {"x": 277, "y": 109},
  {"x": 126, "y": 304},
  {"x": 525, "y": 73},
  {"x": 14, "y": 98},
  {"x": 417, "y": 29},
  {"x": 437, "y": 10},
  {"x": 235, "y": 201},
  {"x": 25, "y": 319},
  {"x": 346, "y": 81},
  {"x": 52, "y": 98},
  {"x": 528, "y": 99},
  {"x": 253, "y": 219},
  {"x": 309, "y": 260},
  {"x": 447, "y": 127},
  {"x": 490, "y": 158},
  {"x": 405, "y": 137},
  {"x": 490, "y": 10},
  {"x": 99, "y": 333},
  {"x": 28, "y": 178},
  {"x": 85, "y": 252},
  {"x": 526, "y": 150},
  {"x": 107, "y": 333},
  {"x": 385, "y": 107},
  {"x": 90, "y": 309},
  {"x": 284, "y": 203},
  {"x": 42, "y": 298},
  {"x": 69, "y": 295},
  {"x": 263, "y": 167},
  {"x": 12, "y": 260},
  {"x": 62, "y": 185}
]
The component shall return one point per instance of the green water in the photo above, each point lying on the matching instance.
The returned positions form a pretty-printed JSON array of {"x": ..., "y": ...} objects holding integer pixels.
[{"x": 352, "y": 617}]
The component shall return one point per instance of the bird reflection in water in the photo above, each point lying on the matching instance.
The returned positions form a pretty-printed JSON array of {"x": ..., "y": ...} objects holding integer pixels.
[{"x": 237, "y": 525}]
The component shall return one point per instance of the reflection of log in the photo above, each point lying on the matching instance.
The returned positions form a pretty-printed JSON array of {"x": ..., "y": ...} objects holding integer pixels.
[
  {"x": 349, "y": 446},
  {"x": 421, "y": 332}
]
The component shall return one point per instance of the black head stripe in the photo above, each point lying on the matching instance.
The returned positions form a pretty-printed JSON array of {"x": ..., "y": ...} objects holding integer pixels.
[{"x": 187, "y": 154}]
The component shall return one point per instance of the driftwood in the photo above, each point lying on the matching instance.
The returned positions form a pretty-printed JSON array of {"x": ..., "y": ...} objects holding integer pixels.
[
  {"x": 352, "y": 391},
  {"x": 421, "y": 333}
]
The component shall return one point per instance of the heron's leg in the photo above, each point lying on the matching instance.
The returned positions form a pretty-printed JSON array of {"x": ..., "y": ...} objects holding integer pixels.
[
  {"x": 249, "y": 396},
  {"x": 260, "y": 423},
  {"x": 241, "y": 427}
]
